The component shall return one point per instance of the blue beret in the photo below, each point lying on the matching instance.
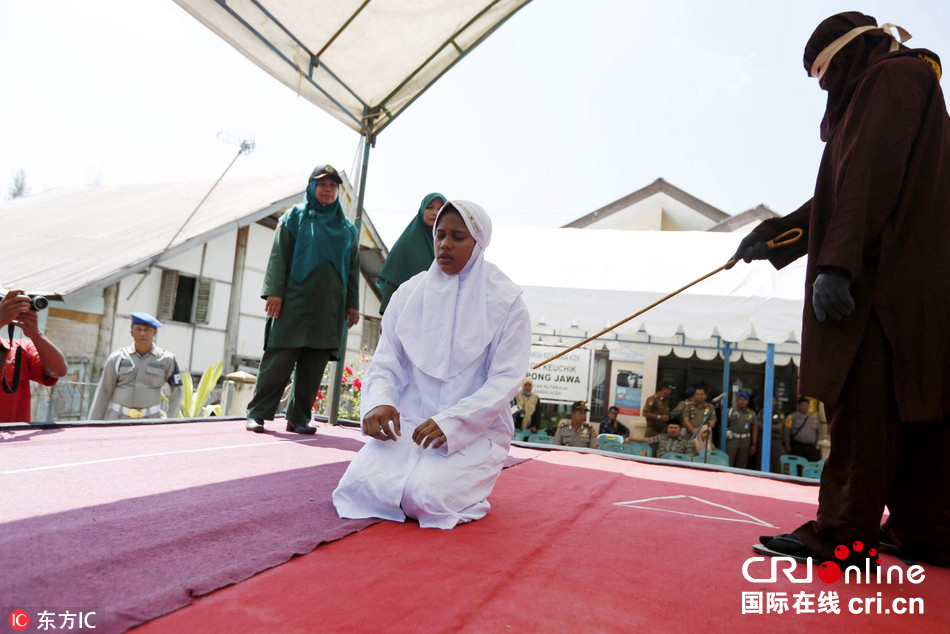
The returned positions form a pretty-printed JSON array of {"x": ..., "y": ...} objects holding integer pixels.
[
  {"x": 744, "y": 395},
  {"x": 690, "y": 391},
  {"x": 145, "y": 318}
]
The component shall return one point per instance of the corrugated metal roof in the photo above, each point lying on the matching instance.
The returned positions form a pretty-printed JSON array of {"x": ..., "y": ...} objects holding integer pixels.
[{"x": 63, "y": 241}]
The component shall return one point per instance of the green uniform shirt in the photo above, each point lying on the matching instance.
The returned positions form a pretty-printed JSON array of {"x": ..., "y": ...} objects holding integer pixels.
[{"x": 312, "y": 314}]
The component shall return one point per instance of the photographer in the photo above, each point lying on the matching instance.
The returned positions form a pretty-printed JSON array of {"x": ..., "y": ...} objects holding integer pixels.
[{"x": 34, "y": 358}]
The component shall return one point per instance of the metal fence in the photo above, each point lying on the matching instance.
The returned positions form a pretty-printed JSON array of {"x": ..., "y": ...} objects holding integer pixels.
[
  {"x": 67, "y": 400},
  {"x": 72, "y": 400}
]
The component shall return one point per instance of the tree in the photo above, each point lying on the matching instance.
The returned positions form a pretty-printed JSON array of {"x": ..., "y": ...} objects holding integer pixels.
[{"x": 18, "y": 185}]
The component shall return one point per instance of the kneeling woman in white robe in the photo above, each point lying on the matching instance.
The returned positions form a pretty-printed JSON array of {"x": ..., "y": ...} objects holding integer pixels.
[{"x": 454, "y": 350}]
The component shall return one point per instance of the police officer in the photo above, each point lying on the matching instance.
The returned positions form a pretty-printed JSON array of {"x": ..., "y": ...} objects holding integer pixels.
[
  {"x": 132, "y": 379},
  {"x": 741, "y": 431},
  {"x": 657, "y": 411},
  {"x": 576, "y": 432},
  {"x": 695, "y": 412}
]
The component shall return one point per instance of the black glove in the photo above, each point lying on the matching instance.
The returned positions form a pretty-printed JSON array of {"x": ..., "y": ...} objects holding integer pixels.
[
  {"x": 831, "y": 295},
  {"x": 753, "y": 247}
]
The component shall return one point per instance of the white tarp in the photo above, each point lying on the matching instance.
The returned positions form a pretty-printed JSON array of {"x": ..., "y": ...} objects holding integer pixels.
[
  {"x": 347, "y": 55},
  {"x": 599, "y": 277}
]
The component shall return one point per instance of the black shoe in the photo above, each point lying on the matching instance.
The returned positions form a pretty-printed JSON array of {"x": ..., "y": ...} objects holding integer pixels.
[
  {"x": 787, "y": 545},
  {"x": 255, "y": 425},
  {"x": 784, "y": 545},
  {"x": 302, "y": 428},
  {"x": 886, "y": 543}
]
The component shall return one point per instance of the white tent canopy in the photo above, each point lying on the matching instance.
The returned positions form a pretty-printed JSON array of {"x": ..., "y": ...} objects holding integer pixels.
[
  {"x": 363, "y": 61},
  {"x": 595, "y": 278}
]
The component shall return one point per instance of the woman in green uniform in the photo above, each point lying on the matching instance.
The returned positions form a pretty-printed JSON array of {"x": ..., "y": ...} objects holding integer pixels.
[
  {"x": 311, "y": 289},
  {"x": 412, "y": 252}
]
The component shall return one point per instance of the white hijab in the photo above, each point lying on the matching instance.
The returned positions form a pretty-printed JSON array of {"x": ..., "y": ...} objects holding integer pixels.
[{"x": 449, "y": 320}]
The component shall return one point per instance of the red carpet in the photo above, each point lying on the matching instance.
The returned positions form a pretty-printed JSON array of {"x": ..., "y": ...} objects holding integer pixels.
[
  {"x": 574, "y": 543},
  {"x": 131, "y": 522}
]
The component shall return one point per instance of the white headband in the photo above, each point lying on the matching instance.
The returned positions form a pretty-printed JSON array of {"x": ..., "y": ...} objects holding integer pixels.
[{"x": 820, "y": 65}]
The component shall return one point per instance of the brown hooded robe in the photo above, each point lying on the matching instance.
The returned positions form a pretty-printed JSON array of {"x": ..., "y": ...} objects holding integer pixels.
[{"x": 881, "y": 212}]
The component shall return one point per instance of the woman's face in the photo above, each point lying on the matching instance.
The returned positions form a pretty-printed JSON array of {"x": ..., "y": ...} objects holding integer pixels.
[
  {"x": 327, "y": 190},
  {"x": 453, "y": 243},
  {"x": 432, "y": 210}
]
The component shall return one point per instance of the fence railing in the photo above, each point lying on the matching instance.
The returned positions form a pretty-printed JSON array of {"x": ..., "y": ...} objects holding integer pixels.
[
  {"x": 71, "y": 400},
  {"x": 67, "y": 400}
]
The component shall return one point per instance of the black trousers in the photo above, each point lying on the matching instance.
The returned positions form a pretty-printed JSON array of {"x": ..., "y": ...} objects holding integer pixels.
[
  {"x": 307, "y": 365},
  {"x": 877, "y": 460},
  {"x": 806, "y": 451}
]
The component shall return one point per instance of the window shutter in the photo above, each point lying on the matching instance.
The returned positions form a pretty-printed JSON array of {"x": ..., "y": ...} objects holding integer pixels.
[
  {"x": 370, "y": 333},
  {"x": 166, "y": 298},
  {"x": 203, "y": 301}
]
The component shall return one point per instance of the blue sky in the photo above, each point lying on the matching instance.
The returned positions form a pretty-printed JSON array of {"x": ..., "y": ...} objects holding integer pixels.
[{"x": 566, "y": 108}]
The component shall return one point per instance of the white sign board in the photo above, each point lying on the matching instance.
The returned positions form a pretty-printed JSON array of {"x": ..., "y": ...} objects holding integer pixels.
[
  {"x": 626, "y": 355},
  {"x": 566, "y": 379}
]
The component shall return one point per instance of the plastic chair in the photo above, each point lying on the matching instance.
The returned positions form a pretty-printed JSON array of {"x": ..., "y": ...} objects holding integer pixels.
[
  {"x": 791, "y": 464},
  {"x": 713, "y": 456},
  {"x": 611, "y": 437},
  {"x": 608, "y": 444},
  {"x": 672, "y": 455},
  {"x": 543, "y": 439},
  {"x": 635, "y": 448},
  {"x": 813, "y": 469}
]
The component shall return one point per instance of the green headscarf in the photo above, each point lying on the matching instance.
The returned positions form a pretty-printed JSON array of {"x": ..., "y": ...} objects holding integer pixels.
[
  {"x": 412, "y": 253},
  {"x": 322, "y": 234}
]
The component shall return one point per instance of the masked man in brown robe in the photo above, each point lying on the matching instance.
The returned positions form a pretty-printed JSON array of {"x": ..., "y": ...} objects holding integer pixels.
[{"x": 875, "y": 343}]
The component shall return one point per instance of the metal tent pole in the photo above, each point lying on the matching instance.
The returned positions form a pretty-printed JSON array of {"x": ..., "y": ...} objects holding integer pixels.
[
  {"x": 338, "y": 375},
  {"x": 765, "y": 443},
  {"x": 726, "y": 390}
]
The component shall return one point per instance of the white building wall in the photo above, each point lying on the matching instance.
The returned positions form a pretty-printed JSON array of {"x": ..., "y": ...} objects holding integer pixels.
[
  {"x": 208, "y": 349},
  {"x": 188, "y": 263},
  {"x": 219, "y": 258},
  {"x": 196, "y": 346}
]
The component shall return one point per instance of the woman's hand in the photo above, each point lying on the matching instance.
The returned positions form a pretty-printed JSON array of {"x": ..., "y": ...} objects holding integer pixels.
[
  {"x": 429, "y": 433},
  {"x": 377, "y": 423},
  {"x": 272, "y": 305}
]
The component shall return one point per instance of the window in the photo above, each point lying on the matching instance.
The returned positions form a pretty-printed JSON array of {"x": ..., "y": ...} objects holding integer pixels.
[
  {"x": 371, "y": 328},
  {"x": 184, "y": 298}
]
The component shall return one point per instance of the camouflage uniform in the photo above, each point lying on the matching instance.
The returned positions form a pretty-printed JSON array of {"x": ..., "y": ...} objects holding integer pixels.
[{"x": 663, "y": 444}]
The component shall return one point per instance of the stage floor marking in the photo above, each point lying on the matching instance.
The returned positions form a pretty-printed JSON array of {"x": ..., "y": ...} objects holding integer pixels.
[
  {"x": 745, "y": 517},
  {"x": 153, "y": 455}
]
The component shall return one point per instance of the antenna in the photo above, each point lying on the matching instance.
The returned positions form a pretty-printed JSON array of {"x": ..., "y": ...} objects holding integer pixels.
[{"x": 245, "y": 146}]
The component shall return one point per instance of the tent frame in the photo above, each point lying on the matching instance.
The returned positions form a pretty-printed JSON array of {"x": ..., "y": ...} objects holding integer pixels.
[{"x": 374, "y": 118}]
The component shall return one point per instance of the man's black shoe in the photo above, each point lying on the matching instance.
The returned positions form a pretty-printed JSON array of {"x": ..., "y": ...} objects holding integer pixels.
[{"x": 784, "y": 545}]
